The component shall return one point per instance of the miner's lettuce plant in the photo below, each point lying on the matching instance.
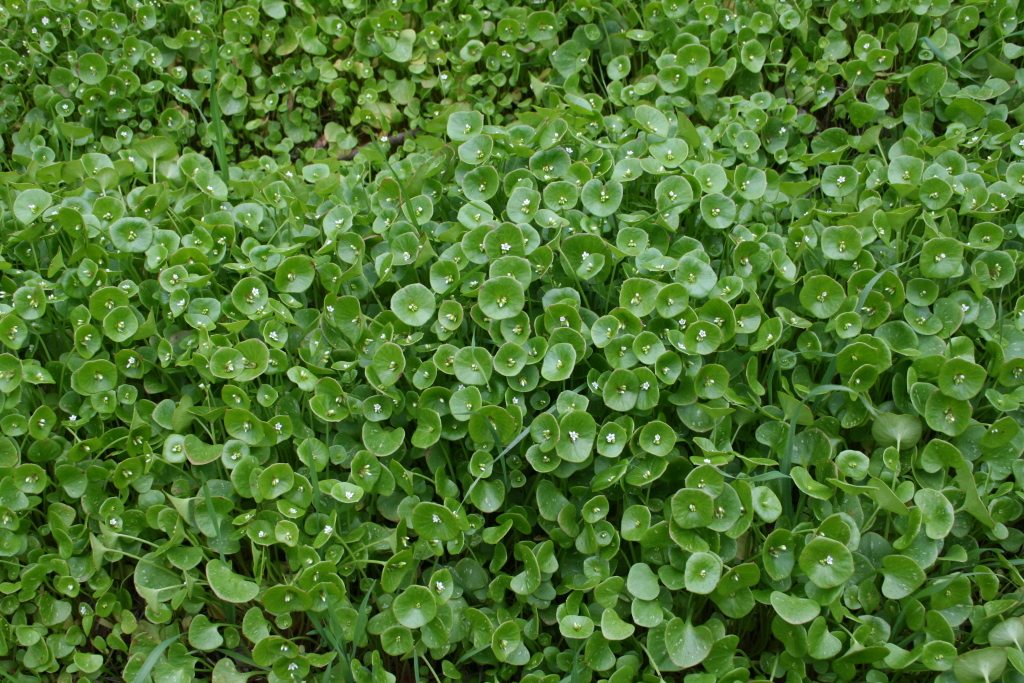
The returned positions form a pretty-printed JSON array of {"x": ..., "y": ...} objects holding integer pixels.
[{"x": 463, "y": 341}]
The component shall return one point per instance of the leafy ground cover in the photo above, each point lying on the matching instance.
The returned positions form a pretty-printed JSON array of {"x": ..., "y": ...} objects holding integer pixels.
[{"x": 486, "y": 341}]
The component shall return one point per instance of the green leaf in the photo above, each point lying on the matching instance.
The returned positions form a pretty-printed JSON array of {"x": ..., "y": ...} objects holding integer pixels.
[
  {"x": 576, "y": 627},
  {"x": 703, "y": 571},
  {"x": 902, "y": 576},
  {"x": 414, "y": 305},
  {"x": 203, "y": 635},
  {"x": 433, "y": 521},
  {"x": 31, "y": 204},
  {"x": 414, "y": 607},
  {"x": 828, "y": 563},
  {"x": 794, "y": 610},
  {"x": 642, "y": 582},
  {"x": 686, "y": 644},
  {"x": 228, "y": 585}
]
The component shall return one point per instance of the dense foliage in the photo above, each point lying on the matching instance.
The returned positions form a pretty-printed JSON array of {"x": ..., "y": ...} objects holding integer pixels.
[{"x": 474, "y": 341}]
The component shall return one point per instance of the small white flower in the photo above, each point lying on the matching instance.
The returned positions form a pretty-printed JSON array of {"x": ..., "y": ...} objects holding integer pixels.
[
  {"x": 645, "y": 386},
  {"x": 505, "y": 247},
  {"x": 610, "y": 438},
  {"x": 439, "y": 586},
  {"x": 328, "y": 529},
  {"x": 73, "y": 418},
  {"x": 376, "y": 407},
  {"x": 435, "y": 519},
  {"x": 573, "y": 436}
]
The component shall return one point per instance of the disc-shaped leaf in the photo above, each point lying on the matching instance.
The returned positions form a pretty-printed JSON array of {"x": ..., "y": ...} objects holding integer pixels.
[
  {"x": 578, "y": 431},
  {"x": 692, "y": 508},
  {"x": 31, "y": 204},
  {"x": 711, "y": 381},
  {"x": 751, "y": 182},
  {"x": 561, "y": 195},
  {"x": 295, "y": 274},
  {"x": 413, "y": 304},
  {"x": 651, "y": 120},
  {"x": 473, "y": 365},
  {"x": 463, "y": 125},
  {"x": 941, "y": 257},
  {"x": 839, "y": 181},
  {"x": 501, "y": 297},
  {"x": 822, "y": 296},
  {"x": 276, "y": 480},
  {"x": 673, "y": 194},
  {"x": 696, "y": 276},
  {"x": 766, "y": 503},
  {"x": 639, "y": 296},
  {"x": 826, "y": 562},
  {"x": 120, "y": 324},
  {"x": 711, "y": 178},
  {"x": 946, "y": 414},
  {"x": 841, "y": 242},
  {"x": 506, "y": 640},
  {"x": 601, "y": 199},
  {"x": 414, "y": 607},
  {"x": 250, "y": 295},
  {"x": 657, "y": 438},
  {"x": 523, "y": 204},
  {"x": 243, "y": 425},
  {"x": 961, "y": 379},
  {"x": 388, "y": 363},
  {"x": 927, "y": 80},
  {"x": 703, "y": 571},
  {"x": 576, "y": 626},
  {"x": 702, "y": 338},
  {"x": 433, "y": 521},
  {"x": 718, "y": 210},
  {"x": 476, "y": 150},
  {"x": 559, "y": 362},
  {"x": 935, "y": 193},
  {"x": 94, "y": 377},
  {"x": 481, "y": 183},
  {"x": 397, "y": 640},
  {"x": 131, "y": 234}
]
